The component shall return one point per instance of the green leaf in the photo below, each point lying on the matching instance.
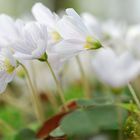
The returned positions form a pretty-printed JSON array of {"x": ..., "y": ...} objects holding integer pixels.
[
  {"x": 26, "y": 134},
  {"x": 97, "y": 101},
  {"x": 57, "y": 132},
  {"x": 91, "y": 120}
]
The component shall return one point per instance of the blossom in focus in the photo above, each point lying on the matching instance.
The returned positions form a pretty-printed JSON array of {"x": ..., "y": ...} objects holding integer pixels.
[
  {"x": 64, "y": 45},
  {"x": 76, "y": 37},
  {"x": 7, "y": 68},
  {"x": 32, "y": 43},
  {"x": 115, "y": 70}
]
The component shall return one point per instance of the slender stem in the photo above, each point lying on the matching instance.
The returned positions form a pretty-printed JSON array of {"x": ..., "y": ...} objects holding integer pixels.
[
  {"x": 51, "y": 97},
  {"x": 34, "y": 97},
  {"x": 62, "y": 72},
  {"x": 59, "y": 88},
  {"x": 132, "y": 91},
  {"x": 84, "y": 79},
  {"x": 34, "y": 76},
  {"x": 53, "y": 101}
]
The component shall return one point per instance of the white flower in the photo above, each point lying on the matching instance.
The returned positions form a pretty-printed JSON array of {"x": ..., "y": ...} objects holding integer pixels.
[
  {"x": 43, "y": 15},
  {"x": 7, "y": 68},
  {"x": 133, "y": 40},
  {"x": 69, "y": 34},
  {"x": 115, "y": 70},
  {"x": 112, "y": 29},
  {"x": 114, "y": 35},
  {"x": 9, "y": 30},
  {"x": 32, "y": 43},
  {"x": 76, "y": 36},
  {"x": 26, "y": 41}
]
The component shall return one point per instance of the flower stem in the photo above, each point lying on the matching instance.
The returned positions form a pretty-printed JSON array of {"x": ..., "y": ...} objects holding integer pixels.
[
  {"x": 51, "y": 97},
  {"x": 59, "y": 88},
  {"x": 34, "y": 97},
  {"x": 84, "y": 79},
  {"x": 53, "y": 101},
  {"x": 132, "y": 91}
]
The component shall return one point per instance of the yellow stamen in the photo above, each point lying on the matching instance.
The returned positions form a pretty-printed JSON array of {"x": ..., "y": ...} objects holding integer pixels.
[
  {"x": 92, "y": 43},
  {"x": 8, "y": 67},
  {"x": 56, "y": 36}
]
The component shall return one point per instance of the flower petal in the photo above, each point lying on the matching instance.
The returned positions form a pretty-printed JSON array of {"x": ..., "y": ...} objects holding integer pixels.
[{"x": 44, "y": 15}]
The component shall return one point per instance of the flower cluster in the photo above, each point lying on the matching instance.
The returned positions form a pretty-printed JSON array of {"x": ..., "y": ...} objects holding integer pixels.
[
  {"x": 55, "y": 39},
  {"x": 48, "y": 38}
]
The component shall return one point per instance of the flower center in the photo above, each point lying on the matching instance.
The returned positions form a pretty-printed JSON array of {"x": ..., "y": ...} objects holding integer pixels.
[
  {"x": 92, "y": 43},
  {"x": 6, "y": 66},
  {"x": 56, "y": 36}
]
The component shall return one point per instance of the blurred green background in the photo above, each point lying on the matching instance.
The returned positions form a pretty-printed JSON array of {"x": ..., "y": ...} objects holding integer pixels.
[{"x": 126, "y": 10}]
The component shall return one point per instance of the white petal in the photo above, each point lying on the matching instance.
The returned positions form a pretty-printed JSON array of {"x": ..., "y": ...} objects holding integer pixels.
[
  {"x": 33, "y": 31},
  {"x": 69, "y": 48},
  {"x": 7, "y": 27},
  {"x": 10, "y": 77},
  {"x": 71, "y": 12},
  {"x": 3, "y": 76},
  {"x": 93, "y": 25},
  {"x": 19, "y": 25},
  {"x": 74, "y": 15},
  {"x": 4, "y": 42},
  {"x": 33, "y": 42},
  {"x": 40, "y": 50},
  {"x": 43, "y": 14},
  {"x": 69, "y": 29},
  {"x": 23, "y": 56},
  {"x": 115, "y": 70},
  {"x": 8, "y": 54},
  {"x": 23, "y": 46}
]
